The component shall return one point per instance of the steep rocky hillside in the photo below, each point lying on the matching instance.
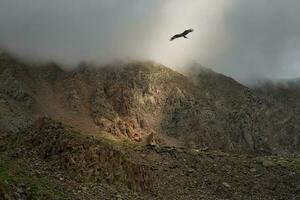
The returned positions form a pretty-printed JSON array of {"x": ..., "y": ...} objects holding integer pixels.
[
  {"x": 139, "y": 100},
  {"x": 50, "y": 160},
  {"x": 252, "y": 117}
]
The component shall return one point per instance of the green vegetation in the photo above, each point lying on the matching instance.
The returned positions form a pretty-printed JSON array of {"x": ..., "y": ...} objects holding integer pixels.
[
  {"x": 288, "y": 162},
  {"x": 12, "y": 174}
]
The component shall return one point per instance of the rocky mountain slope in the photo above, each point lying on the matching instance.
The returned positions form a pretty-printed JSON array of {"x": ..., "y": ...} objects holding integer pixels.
[
  {"x": 127, "y": 131},
  {"x": 133, "y": 101},
  {"x": 50, "y": 160}
]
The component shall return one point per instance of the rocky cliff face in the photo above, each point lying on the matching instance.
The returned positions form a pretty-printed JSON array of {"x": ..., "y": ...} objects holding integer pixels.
[
  {"x": 253, "y": 118},
  {"x": 136, "y": 100}
]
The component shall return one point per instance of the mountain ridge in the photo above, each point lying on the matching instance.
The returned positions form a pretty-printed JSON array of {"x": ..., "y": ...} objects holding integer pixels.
[{"x": 135, "y": 100}]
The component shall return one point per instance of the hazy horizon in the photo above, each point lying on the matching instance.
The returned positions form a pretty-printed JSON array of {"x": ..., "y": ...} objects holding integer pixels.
[{"x": 246, "y": 40}]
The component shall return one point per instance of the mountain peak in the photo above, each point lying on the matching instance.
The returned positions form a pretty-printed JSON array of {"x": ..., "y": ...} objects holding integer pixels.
[{"x": 138, "y": 99}]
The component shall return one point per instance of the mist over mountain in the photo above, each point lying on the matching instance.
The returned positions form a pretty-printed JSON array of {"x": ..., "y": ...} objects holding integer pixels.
[
  {"x": 137, "y": 99},
  {"x": 242, "y": 39},
  {"x": 96, "y": 102}
]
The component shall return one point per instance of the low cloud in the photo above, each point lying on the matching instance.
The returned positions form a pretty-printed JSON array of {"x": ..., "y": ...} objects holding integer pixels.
[{"x": 244, "y": 39}]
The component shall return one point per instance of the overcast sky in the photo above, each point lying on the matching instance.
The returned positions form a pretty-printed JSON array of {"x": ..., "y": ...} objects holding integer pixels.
[{"x": 245, "y": 39}]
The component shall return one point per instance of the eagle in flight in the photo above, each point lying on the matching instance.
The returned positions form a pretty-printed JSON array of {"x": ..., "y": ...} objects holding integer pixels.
[{"x": 183, "y": 34}]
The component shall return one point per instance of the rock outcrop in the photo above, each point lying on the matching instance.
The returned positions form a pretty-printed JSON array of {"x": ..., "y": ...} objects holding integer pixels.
[{"x": 131, "y": 101}]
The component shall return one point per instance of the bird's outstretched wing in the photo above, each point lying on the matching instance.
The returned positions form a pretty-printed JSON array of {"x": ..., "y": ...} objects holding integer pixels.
[
  {"x": 175, "y": 36},
  {"x": 187, "y": 31}
]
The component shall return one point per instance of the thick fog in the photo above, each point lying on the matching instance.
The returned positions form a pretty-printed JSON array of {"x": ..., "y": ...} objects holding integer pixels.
[{"x": 244, "y": 39}]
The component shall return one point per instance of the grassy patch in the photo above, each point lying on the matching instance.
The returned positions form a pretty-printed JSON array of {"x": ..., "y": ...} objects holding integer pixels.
[
  {"x": 289, "y": 162},
  {"x": 12, "y": 173}
]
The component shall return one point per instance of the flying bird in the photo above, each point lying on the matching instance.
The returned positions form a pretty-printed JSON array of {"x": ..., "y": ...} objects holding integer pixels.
[{"x": 183, "y": 34}]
